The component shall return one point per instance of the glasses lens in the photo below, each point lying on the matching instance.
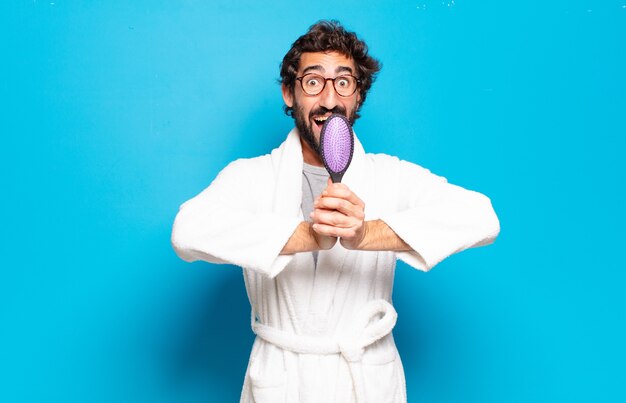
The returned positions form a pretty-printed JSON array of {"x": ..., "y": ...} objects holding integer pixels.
[
  {"x": 313, "y": 84},
  {"x": 345, "y": 85}
]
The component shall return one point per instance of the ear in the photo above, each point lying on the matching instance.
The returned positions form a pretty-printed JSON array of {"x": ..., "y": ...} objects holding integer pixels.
[{"x": 287, "y": 95}]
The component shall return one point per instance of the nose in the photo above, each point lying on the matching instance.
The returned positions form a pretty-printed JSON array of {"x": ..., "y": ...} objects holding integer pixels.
[{"x": 329, "y": 97}]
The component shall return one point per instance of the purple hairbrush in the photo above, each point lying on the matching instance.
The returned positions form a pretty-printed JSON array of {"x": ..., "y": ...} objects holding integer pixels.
[{"x": 336, "y": 146}]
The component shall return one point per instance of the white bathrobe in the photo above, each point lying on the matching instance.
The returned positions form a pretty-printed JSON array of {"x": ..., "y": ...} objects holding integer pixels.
[{"x": 324, "y": 334}]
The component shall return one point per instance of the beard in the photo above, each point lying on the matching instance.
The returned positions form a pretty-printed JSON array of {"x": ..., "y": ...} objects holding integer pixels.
[{"x": 305, "y": 128}]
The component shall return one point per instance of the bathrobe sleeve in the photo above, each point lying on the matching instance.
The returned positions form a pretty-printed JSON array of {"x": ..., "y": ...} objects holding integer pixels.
[
  {"x": 435, "y": 218},
  {"x": 232, "y": 221}
]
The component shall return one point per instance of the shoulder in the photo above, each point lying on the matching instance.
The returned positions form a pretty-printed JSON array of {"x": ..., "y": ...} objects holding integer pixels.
[
  {"x": 267, "y": 163},
  {"x": 247, "y": 166},
  {"x": 381, "y": 158},
  {"x": 390, "y": 163},
  {"x": 242, "y": 173},
  {"x": 398, "y": 177}
]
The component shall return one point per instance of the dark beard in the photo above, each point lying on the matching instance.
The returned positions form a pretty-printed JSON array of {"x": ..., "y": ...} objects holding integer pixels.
[{"x": 306, "y": 131}]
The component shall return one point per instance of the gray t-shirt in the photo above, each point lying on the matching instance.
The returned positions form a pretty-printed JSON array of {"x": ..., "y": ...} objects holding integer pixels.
[{"x": 314, "y": 181}]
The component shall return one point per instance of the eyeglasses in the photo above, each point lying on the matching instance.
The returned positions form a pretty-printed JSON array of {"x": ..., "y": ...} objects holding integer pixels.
[{"x": 313, "y": 84}]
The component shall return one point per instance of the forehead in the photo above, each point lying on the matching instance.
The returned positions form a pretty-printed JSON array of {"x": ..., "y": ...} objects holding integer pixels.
[{"x": 327, "y": 62}]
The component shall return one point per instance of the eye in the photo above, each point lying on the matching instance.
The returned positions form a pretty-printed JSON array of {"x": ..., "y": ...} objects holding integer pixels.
[
  {"x": 343, "y": 82},
  {"x": 313, "y": 82}
]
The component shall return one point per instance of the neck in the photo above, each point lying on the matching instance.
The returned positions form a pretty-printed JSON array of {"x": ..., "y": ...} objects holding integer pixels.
[{"x": 309, "y": 156}]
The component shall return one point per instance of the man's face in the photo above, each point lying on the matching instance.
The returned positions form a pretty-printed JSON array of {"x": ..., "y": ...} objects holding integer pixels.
[{"x": 310, "y": 111}]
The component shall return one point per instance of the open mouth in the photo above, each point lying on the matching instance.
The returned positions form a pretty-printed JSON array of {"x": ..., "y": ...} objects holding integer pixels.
[{"x": 319, "y": 120}]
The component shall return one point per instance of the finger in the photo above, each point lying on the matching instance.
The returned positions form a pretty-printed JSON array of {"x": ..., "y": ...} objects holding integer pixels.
[
  {"x": 329, "y": 230},
  {"x": 332, "y": 217},
  {"x": 341, "y": 205},
  {"x": 335, "y": 218},
  {"x": 341, "y": 191},
  {"x": 325, "y": 230}
]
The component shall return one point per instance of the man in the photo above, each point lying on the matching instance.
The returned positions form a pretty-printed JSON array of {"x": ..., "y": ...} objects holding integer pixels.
[{"x": 318, "y": 258}]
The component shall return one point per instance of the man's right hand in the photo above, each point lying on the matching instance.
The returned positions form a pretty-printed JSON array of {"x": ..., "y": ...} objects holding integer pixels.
[
  {"x": 305, "y": 239},
  {"x": 324, "y": 242}
]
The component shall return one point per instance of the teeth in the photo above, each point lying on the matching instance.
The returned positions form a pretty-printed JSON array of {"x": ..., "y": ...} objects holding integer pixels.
[{"x": 321, "y": 118}]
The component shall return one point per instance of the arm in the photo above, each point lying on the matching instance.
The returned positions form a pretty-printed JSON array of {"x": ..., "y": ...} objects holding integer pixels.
[
  {"x": 304, "y": 239},
  {"x": 224, "y": 225},
  {"x": 436, "y": 218},
  {"x": 428, "y": 219},
  {"x": 379, "y": 236}
]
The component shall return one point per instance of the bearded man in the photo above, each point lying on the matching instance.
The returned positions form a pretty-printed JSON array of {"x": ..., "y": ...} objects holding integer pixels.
[{"x": 319, "y": 257}]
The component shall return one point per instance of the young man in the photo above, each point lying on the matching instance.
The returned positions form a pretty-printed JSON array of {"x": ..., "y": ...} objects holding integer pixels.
[{"x": 319, "y": 258}]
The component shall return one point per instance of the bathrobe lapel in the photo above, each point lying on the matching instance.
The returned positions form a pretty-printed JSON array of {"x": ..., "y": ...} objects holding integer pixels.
[
  {"x": 287, "y": 164},
  {"x": 295, "y": 282}
]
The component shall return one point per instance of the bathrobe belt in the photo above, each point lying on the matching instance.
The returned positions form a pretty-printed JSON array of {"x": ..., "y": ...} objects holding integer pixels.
[{"x": 373, "y": 322}]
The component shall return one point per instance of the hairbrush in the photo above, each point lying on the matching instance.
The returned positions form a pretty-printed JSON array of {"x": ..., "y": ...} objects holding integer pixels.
[{"x": 336, "y": 146}]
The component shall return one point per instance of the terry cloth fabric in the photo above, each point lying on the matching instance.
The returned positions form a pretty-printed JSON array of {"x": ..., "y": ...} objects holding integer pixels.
[{"x": 312, "y": 345}]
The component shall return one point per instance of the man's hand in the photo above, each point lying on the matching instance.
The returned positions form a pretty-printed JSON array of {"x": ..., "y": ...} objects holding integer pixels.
[
  {"x": 304, "y": 239},
  {"x": 339, "y": 213},
  {"x": 324, "y": 242}
]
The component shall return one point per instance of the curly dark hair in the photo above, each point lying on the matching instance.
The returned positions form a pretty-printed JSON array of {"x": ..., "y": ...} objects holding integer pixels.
[{"x": 329, "y": 36}]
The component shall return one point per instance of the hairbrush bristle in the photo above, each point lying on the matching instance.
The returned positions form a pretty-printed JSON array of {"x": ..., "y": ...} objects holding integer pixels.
[{"x": 336, "y": 145}]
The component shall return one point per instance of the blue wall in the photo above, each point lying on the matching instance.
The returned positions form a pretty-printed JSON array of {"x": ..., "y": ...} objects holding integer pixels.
[{"x": 114, "y": 113}]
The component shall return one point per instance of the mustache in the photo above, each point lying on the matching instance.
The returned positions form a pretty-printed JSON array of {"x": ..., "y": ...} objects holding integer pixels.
[{"x": 322, "y": 111}]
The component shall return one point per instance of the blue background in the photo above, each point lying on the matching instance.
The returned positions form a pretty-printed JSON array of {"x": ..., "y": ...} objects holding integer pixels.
[{"x": 114, "y": 113}]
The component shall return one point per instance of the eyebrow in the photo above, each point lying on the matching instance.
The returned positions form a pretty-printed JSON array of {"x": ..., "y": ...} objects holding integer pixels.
[
  {"x": 320, "y": 69},
  {"x": 341, "y": 69},
  {"x": 315, "y": 67}
]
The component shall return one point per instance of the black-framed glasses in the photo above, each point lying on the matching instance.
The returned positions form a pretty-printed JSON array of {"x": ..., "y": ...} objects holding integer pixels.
[{"x": 314, "y": 84}]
